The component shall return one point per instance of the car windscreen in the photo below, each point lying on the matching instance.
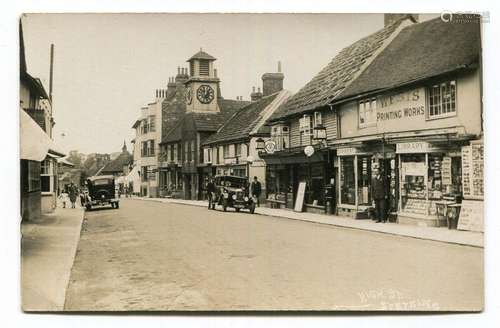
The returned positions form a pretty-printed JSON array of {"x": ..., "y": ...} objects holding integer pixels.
[
  {"x": 101, "y": 182},
  {"x": 234, "y": 182}
]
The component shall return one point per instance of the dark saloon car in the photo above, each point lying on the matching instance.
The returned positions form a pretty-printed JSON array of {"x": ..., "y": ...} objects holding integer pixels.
[
  {"x": 232, "y": 191},
  {"x": 101, "y": 191}
]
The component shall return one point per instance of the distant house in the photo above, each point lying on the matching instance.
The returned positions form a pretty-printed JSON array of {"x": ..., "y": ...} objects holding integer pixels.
[{"x": 120, "y": 166}]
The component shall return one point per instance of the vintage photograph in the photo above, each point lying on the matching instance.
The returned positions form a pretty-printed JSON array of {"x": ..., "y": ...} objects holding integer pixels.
[{"x": 251, "y": 162}]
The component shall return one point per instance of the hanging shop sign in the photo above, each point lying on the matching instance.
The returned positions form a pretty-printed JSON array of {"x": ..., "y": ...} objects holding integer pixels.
[
  {"x": 416, "y": 147},
  {"x": 309, "y": 151},
  {"x": 270, "y": 146}
]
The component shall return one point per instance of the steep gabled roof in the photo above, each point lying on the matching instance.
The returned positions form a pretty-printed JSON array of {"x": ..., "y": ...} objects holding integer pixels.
[
  {"x": 242, "y": 122},
  {"x": 332, "y": 80},
  {"x": 422, "y": 51}
]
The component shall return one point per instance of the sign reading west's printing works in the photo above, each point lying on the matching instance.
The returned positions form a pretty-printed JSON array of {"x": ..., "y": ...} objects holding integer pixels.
[{"x": 402, "y": 111}]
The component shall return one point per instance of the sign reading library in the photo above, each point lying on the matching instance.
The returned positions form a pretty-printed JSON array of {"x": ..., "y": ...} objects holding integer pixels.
[{"x": 402, "y": 111}]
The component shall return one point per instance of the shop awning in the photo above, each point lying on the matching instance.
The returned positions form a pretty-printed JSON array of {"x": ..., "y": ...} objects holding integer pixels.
[
  {"x": 35, "y": 144},
  {"x": 64, "y": 161}
]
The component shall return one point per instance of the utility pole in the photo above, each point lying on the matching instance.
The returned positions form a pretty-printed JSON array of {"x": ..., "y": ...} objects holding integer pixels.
[{"x": 51, "y": 74}]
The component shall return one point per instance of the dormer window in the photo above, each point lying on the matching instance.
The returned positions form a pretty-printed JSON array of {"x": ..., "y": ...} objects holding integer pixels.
[{"x": 204, "y": 67}]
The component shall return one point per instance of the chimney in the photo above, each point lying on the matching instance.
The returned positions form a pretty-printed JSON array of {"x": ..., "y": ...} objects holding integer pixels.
[
  {"x": 181, "y": 76},
  {"x": 255, "y": 96},
  {"x": 391, "y": 18},
  {"x": 272, "y": 82},
  {"x": 170, "y": 86}
]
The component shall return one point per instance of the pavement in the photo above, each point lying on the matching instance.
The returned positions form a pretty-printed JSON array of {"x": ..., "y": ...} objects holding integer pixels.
[
  {"x": 441, "y": 234},
  {"x": 48, "y": 248},
  {"x": 163, "y": 256}
]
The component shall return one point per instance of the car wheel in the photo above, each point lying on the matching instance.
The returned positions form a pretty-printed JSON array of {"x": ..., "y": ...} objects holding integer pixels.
[{"x": 252, "y": 208}]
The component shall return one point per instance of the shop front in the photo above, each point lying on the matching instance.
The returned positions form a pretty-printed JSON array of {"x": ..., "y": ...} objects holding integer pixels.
[
  {"x": 284, "y": 174},
  {"x": 356, "y": 167},
  {"x": 430, "y": 174}
]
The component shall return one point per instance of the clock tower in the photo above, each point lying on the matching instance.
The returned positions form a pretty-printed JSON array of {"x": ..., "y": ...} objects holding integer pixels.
[{"x": 202, "y": 87}]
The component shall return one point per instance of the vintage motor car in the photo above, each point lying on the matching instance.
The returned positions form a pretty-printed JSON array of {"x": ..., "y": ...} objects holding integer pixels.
[
  {"x": 101, "y": 192},
  {"x": 232, "y": 191}
]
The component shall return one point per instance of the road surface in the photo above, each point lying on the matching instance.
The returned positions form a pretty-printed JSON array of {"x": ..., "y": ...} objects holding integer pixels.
[{"x": 156, "y": 256}]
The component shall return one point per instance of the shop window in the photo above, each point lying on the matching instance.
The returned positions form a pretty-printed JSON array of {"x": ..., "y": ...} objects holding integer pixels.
[
  {"x": 347, "y": 181},
  {"x": 364, "y": 180},
  {"x": 45, "y": 176},
  {"x": 33, "y": 176},
  {"x": 367, "y": 110},
  {"x": 305, "y": 128},
  {"x": 442, "y": 99}
]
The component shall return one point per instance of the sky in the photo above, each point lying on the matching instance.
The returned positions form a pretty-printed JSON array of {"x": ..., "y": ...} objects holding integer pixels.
[{"x": 107, "y": 66}]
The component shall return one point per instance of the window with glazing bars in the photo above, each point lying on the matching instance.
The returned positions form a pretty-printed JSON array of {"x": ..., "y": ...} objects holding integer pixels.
[{"x": 442, "y": 99}]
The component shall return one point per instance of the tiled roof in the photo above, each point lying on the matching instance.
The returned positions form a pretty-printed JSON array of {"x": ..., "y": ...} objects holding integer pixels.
[
  {"x": 118, "y": 163},
  {"x": 201, "y": 55},
  {"x": 329, "y": 83},
  {"x": 421, "y": 51},
  {"x": 243, "y": 122},
  {"x": 211, "y": 122},
  {"x": 206, "y": 122}
]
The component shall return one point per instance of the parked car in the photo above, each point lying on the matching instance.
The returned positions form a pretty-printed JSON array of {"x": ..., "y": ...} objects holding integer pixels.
[
  {"x": 101, "y": 192},
  {"x": 232, "y": 191}
]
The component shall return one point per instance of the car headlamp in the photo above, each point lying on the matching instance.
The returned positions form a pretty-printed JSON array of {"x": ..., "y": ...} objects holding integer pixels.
[
  {"x": 246, "y": 199},
  {"x": 234, "y": 197}
]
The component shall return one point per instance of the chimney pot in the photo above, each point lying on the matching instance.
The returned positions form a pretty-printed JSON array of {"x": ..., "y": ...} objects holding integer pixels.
[
  {"x": 253, "y": 89},
  {"x": 178, "y": 70}
]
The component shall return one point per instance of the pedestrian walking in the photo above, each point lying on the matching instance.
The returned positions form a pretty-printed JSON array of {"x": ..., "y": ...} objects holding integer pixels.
[
  {"x": 73, "y": 192},
  {"x": 211, "y": 193},
  {"x": 63, "y": 197},
  {"x": 379, "y": 196},
  {"x": 256, "y": 189}
]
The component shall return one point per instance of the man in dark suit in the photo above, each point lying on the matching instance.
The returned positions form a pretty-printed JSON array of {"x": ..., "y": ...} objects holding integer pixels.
[
  {"x": 210, "y": 193},
  {"x": 379, "y": 196},
  {"x": 256, "y": 189}
]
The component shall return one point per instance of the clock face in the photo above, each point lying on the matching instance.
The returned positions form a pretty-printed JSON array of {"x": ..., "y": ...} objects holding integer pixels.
[
  {"x": 205, "y": 94},
  {"x": 189, "y": 96}
]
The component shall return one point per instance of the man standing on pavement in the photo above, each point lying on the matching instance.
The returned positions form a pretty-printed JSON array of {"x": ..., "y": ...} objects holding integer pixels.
[
  {"x": 211, "y": 191},
  {"x": 256, "y": 189},
  {"x": 379, "y": 196}
]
